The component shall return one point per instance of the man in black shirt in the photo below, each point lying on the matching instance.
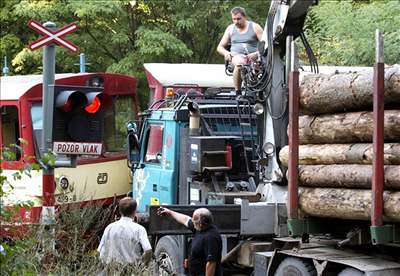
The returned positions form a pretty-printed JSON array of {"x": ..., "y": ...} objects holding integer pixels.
[{"x": 206, "y": 249}]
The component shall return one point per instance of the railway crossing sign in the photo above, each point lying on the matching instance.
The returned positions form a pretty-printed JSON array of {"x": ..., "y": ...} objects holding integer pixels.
[{"x": 50, "y": 36}]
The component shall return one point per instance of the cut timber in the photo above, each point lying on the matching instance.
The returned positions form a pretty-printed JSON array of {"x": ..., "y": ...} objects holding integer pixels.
[
  {"x": 346, "y": 176},
  {"x": 322, "y": 93},
  {"x": 346, "y": 128},
  {"x": 341, "y": 154},
  {"x": 346, "y": 203}
]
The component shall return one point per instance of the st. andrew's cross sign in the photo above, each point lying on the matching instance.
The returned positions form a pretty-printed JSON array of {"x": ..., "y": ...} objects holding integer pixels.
[{"x": 50, "y": 36}]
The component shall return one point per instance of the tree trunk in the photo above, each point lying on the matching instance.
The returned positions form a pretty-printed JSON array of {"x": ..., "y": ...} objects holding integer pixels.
[
  {"x": 346, "y": 176},
  {"x": 346, "y": 203},
  {"x": 322, "y": 93},
  {"x": 341, "y": 154},
  {"x": 346, "y": 128}
]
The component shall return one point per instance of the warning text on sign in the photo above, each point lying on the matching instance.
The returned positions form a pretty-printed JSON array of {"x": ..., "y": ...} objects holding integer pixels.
[{"x": 77, "y": 148}]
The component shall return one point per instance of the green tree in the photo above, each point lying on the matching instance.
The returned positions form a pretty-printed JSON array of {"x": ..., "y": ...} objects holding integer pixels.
[
  {"x": 121, "y": 35},
  {"x": 343, "y": 32}
]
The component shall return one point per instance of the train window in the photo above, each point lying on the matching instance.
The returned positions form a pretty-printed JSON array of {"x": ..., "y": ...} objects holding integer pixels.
[
  {"x": 154, "y": 143},
  {"x": 36, "y": 115},
  {"x": 10, "y": 130},
  {"x": 115, "y": 120}
]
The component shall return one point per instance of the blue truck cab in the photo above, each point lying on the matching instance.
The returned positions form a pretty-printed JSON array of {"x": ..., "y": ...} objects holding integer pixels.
[
  {"x": 181, "y": 162},
  {"x": 196, "y": 137}
]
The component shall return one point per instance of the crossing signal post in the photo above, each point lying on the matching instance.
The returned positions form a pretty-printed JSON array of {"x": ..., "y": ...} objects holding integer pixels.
[{"x": 50, "y": 35}]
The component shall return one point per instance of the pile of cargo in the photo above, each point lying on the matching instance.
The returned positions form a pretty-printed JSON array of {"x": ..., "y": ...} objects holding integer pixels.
[{"x": 335, "y": 152}]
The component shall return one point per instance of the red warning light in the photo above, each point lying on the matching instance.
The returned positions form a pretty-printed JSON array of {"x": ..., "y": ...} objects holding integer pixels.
[{"x": 94, "y": 106}]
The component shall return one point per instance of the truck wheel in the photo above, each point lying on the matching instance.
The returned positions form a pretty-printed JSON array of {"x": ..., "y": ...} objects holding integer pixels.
[
  {"x": 168, "y": 256},
  {"x": 351, "y": 272},
  {"x": 295, "y": 267}
]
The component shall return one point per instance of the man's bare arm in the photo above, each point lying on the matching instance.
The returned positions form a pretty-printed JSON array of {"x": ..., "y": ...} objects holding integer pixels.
[
  {"x": 258, "y": 30},
  {"x": 223, "y": 44},
  {"x": 210, "y": 268},
  {"x": 146, "y": 257},
  {"x": 180, "y": 218}
]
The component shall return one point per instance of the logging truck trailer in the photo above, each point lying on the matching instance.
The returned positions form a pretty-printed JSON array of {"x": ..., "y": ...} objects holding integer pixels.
[{"x": 96, "y": 179}]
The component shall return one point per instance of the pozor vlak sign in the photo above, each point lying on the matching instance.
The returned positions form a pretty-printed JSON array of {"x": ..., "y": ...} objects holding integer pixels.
[{"x": 77, "y": 148}]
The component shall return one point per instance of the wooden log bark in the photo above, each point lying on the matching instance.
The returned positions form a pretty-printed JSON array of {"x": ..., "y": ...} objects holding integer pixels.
[
  {"x": 328, "y": 154},
  {"x": 346, "y": 128},
  {"x": 323, "y": 93},
  {"x": 346, "y": 203},
  {"x": 346, "y": 176}
]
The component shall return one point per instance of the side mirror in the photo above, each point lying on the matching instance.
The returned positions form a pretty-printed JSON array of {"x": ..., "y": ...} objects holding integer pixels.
[
  {"x": 133, "y": 143},
  {"x": 132, "y": 127}
]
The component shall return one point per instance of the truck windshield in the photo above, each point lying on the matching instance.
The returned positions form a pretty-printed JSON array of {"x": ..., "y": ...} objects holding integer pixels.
[{"x": 225, "y": 120}]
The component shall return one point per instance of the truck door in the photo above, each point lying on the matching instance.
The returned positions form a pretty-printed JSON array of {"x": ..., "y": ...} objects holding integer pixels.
[
  {"x": 146, "y": 179},
  {"x": 169, "y": 164}
]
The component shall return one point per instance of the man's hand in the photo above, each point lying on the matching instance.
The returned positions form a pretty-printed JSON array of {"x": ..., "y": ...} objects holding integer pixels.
[
  {"x": 180, "y": 218},
  {"x": 146, "y": 257},
  {"x": 228, "y": 57},
  {"x": 210, "y": 268},
  {"x": 165, "y": 212},
  {"x": 253, "y": 56}
]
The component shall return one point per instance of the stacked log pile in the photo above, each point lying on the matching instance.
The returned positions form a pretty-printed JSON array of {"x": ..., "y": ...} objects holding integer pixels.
[{"x": 335, "y": 152}]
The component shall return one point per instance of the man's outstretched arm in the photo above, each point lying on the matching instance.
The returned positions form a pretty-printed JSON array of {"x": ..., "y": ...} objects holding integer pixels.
[{"x": 180, "y": 218}]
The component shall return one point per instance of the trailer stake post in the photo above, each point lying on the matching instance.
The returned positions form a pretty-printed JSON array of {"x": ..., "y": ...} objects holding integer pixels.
[
  {"x": 380, "y": 234},
  {"x": 295, "y": 226}
]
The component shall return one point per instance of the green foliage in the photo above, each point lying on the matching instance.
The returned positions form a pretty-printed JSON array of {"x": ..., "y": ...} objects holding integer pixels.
[
  {"x": 343, "y": 32},
  {"x": 77, "y": 234},
  {"x": 121, "y": 35},
  {"x": 9, "y": 153},
  {"x": 155, "y": 44}
]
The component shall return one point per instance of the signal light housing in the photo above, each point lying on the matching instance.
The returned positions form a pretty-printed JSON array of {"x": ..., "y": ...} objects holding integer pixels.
[{"x": 78, "y": 113}]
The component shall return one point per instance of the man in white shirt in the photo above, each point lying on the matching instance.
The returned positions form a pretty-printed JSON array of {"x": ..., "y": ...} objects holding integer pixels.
[{"x": 124, "y": 241}]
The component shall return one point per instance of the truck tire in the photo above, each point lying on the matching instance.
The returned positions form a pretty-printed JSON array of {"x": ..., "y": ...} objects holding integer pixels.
[
  {"x": 351, "y": 272},
  {"x": 295, "y": 267},
  {"x": 169, "y": 257}
]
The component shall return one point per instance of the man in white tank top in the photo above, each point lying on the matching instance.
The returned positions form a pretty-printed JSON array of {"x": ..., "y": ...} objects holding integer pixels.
[{"x": 242, "y": 37}]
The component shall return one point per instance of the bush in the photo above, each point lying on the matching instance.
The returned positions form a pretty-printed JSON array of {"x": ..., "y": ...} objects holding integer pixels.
[
  {"x": 75, "y": 236},
  {"x": 77, "y": 233}
]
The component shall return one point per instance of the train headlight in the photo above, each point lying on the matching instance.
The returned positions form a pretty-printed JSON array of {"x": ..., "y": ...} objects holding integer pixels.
[{"x": 64, "y": 182}]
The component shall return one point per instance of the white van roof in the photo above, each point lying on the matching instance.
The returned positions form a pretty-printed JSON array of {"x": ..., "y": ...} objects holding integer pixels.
[
  {"x": 203, "y": 75},
  {"x": 13, "y": 87}
]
